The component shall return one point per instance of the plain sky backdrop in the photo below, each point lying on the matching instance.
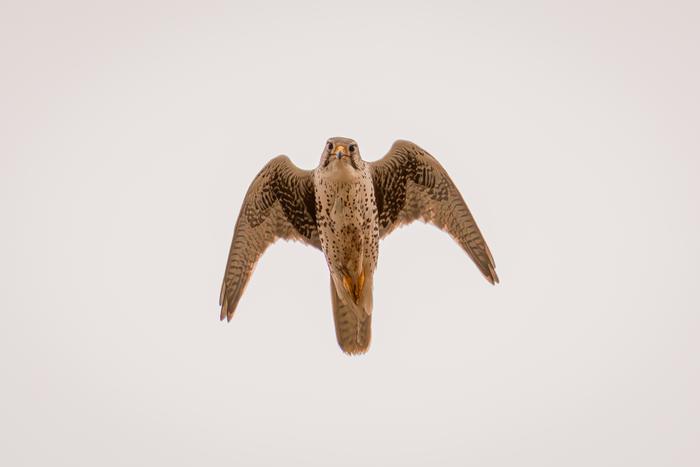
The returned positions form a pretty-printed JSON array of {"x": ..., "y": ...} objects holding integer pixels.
[{"x": 130, "y": 131}]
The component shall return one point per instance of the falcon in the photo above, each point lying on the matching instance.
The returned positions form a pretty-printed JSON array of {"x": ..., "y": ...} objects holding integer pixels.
[{"x": 343, "y": 208}]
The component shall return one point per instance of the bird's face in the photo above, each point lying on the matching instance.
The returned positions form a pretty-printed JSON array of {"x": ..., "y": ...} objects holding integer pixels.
[{"x": 341, "y": 153}]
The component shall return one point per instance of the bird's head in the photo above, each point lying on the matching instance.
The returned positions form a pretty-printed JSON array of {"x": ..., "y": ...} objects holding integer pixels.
[{"x": 341, "y": 153}]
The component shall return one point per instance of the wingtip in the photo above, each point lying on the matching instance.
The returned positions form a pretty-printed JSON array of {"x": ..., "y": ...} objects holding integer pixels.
[
  {"x": 226, "y": 316},
  {"x": 222, "y": 304},
  {"x": 492, "y": 277},
  {"x": 226, "y": 311}
]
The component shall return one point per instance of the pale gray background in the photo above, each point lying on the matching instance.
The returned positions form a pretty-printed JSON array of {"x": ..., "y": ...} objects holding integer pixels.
[{"x": 130, "y": 132}]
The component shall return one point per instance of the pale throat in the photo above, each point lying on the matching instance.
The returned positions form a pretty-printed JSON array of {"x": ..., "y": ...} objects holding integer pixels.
[{"x": 342, "y": 172}]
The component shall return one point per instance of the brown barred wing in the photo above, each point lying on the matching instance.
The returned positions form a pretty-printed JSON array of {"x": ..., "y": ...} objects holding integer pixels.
[
  {"x": 280, "y": 203},
  {"x": 410, "y": 184}
]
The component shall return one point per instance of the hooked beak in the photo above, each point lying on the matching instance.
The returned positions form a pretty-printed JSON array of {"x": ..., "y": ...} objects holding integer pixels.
[{"x": 340, "y": 151}]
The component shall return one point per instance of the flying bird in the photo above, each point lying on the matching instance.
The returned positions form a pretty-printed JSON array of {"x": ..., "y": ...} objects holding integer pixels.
[{"x": 343, "y": 208}]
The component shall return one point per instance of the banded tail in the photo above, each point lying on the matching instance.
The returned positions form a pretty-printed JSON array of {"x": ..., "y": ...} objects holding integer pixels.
[{"x": 353, "y": 326}]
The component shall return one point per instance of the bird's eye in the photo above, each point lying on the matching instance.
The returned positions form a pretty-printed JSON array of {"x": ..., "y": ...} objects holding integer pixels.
[
  {"x": 330, "y": 146},
  {"x": 351, "y": 148}
]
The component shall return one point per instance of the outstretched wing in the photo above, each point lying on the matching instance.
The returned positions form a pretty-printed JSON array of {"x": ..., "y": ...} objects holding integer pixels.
[
  {"x": 280, "y": 203},
  {"x": 411, "y": 184}
]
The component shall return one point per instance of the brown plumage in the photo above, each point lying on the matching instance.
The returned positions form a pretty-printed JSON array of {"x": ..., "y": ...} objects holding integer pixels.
[
  {"x": 344, "y": 207},
  {"x": 410, "y": 184}
]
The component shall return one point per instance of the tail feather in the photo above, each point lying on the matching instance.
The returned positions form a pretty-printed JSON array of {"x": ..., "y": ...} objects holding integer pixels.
[{"x": 353, "y": 330}]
